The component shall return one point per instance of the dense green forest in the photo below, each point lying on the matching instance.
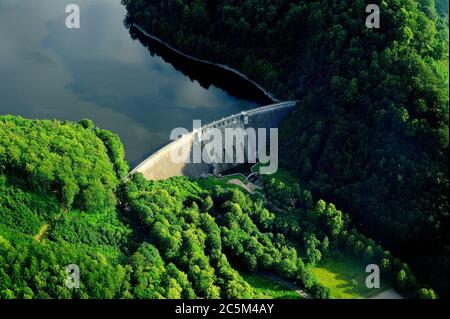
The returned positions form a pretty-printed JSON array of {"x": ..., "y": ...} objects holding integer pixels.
[
  {"x": 365, "y": 153},
  {"x": 370, "y": 132},
  {"x": 178, "y": 238}
]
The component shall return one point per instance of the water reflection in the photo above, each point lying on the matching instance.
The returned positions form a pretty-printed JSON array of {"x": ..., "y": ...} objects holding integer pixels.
[
  {"x": 207, "y": 75},
  {"x": 100, "y": 72}
]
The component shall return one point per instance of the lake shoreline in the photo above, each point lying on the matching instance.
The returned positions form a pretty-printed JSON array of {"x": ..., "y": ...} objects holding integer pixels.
[{"x": 267, "y": 93}]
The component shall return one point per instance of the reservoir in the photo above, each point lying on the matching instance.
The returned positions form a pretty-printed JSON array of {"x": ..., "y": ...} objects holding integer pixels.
[{"x": 109, "y": 73}]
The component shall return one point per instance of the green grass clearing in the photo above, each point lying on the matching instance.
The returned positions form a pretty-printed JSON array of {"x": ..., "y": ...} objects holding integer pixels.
[
  {"x": 265, "y": 288},
  {"x": 345, "y": 277},
  {"x": 281, "y": 174},
  {"x": 211, "y": 182}
]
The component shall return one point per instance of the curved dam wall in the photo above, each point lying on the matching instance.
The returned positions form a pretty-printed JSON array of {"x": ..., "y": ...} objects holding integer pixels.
[{"x": 161, "y": 166}]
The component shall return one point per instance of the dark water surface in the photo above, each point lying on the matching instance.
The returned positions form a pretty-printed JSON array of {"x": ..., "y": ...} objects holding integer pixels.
[{"x": 134, "y": 87}]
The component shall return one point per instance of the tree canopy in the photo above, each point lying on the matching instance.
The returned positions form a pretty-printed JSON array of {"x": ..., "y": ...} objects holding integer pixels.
[{"x": 370, "y": 132}]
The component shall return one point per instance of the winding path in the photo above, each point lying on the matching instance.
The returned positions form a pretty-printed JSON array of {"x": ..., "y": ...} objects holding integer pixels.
[{"x": 41, "y": 232}]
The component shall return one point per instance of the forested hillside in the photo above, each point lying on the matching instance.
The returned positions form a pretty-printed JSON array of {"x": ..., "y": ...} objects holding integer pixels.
[
  {"x": 370, "y": 133},
  {"x": 58, "y": 207},
  {"x": 178, "y": 238},
  {"x": 61, "y": 203}
]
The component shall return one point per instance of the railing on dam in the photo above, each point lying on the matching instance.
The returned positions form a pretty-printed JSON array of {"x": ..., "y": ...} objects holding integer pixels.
[
  {"x": 258, "y": 110},
  {"x": 160, "y": 166}
]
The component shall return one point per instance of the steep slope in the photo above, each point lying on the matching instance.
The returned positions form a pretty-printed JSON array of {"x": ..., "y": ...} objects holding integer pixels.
[
  {"x": 58, "y": 207},
  {"x": 177, "y": 238},
  {"x": 58, "y": 193},
  {"x": 371, "y": 130}
]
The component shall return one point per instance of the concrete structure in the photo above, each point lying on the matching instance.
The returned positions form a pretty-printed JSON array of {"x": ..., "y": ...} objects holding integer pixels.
[{"x": 160, "y": 165}]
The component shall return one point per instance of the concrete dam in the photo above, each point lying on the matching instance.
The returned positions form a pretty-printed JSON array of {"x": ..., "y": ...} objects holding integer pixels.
[{"x": 161, "y": 165}]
